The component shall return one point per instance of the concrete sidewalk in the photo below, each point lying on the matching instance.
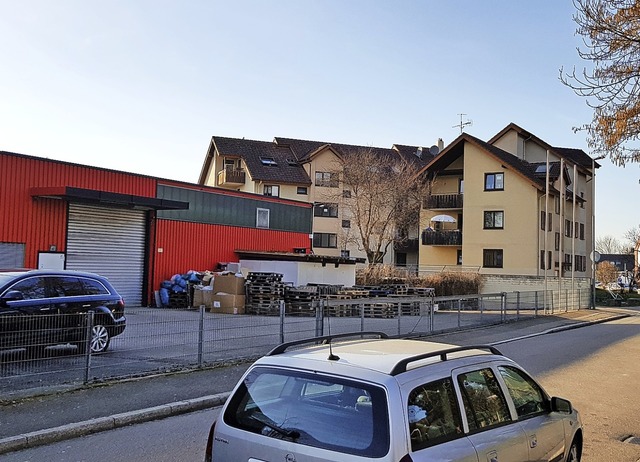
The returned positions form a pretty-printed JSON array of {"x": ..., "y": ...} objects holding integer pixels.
[{"x": 36, "y": 420}]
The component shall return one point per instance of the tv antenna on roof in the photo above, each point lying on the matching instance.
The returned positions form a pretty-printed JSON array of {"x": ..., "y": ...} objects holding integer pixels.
[{"x": 463, "y": 123}]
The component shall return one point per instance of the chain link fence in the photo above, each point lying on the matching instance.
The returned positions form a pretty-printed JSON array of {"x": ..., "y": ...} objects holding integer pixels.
[{"x": 168, "y": 340}]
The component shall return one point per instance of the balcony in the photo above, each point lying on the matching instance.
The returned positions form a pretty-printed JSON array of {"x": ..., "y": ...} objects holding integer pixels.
[
  {"x": 231, "y": 178},
  {"x": 408, "y": 245},
  {"x": 442, "y": 201},
  {"x": 450, "y": 238}
]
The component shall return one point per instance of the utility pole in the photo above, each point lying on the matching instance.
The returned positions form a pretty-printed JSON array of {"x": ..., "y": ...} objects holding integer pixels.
[{"x": 463, "y": 123}]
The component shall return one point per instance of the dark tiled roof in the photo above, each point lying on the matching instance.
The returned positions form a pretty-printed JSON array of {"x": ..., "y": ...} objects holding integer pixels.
[
  {"x": 578, "y": 156},
  {"x": 285, "y": 170},
  {"x": 622, "y": 261},
  {"x": 301, "y": 148},
  {"x": 539, "y": 170},
  {"x": 305, "y": 148},
  {"x": 410, "y": 153}
]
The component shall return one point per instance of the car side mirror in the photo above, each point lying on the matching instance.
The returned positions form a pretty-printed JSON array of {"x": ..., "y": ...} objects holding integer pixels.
[
  {"x": 11, "y": 296},
  {"x": 561, "y": 405}
]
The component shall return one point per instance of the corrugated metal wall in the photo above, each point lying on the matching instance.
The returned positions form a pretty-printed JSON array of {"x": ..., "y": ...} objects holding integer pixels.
[
  {"x": 216, "y": 207},
  {"x": 200, "y": 246},
  {"x": 40, "y": 223}
]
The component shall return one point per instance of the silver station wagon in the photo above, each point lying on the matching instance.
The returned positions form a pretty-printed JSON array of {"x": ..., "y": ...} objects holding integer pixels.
[{"x": 361, "y": 397}]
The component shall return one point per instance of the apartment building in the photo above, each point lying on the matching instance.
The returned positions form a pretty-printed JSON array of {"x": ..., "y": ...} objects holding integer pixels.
[
  {"x": 306, "y": 171},
  {"x": 514, "y": 205}
]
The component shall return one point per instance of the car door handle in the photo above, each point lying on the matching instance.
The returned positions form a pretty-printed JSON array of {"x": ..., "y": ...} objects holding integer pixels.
[
  {"x": 492, "y": 456},
  {"x": 533, "y": 441}
]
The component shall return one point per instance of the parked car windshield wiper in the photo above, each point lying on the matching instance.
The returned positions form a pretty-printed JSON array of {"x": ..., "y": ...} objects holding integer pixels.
[{"x": 293, "y": 434}]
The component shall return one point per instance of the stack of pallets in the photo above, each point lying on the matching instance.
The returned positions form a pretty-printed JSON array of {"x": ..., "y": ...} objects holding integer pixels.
[
  {"x": 299, "y": 300},
  {"x": 264, "y": 293}
]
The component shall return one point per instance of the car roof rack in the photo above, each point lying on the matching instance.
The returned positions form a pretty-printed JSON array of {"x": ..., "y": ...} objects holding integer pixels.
[
  {"x": 323, "y": 340},
  {"x": 401, "y": 366}
]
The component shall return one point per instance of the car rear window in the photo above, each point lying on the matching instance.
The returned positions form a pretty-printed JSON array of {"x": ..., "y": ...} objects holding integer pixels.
[
  {"x": 311, "y": 409},
  {"x": 93, "y": 287}
]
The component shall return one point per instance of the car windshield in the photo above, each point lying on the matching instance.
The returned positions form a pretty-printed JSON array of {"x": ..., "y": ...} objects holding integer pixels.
[
  {"x": 7, "y": 277},
  {"x": 319, "y": 411}
]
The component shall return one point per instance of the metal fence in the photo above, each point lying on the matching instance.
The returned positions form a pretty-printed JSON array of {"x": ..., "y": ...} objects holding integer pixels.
[{"x": 160, "y": 340}]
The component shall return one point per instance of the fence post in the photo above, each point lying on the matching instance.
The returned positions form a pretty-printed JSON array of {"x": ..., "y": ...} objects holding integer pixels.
[
  {"x": 201, "y": 335},
  {"x": 459, "y": 310},
  {"x": 361, "y": 305},
  {"x": 399, "y": 305},
  {"x": 566, "y": 300},
  {"x": 432, "y": 310},
  {"x": 535, "y": 304},
  {"x": 319, "y": 317},
  {"x": 281, "y": 302},
  {"x": 579, "y": 300},
  {"x": 503, "y": 306},
  {"x": 517, "y": 305},
  {"x": 87, "y": 345}
]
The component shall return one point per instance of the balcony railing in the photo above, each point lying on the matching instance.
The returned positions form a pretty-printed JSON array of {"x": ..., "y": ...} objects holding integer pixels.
[
  {"x": 408, "y": 245},
  {"x": 442, "y": 201},
  {"x": 453, "y": 238},
  {"x": 231, "y": 177}
]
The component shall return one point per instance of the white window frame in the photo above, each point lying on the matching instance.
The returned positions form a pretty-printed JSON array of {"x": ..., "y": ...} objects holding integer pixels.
[{"x": 260, "y": 222}]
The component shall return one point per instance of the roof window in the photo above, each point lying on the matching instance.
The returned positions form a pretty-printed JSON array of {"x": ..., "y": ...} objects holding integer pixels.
[{"x": 270, "y": 161}]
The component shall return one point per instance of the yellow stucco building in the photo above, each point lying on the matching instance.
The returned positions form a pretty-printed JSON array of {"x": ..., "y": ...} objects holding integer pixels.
[{"x": 512, "y": 206}]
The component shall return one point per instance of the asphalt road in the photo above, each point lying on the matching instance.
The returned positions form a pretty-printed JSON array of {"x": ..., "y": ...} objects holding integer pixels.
[{"x": 593, "y": 366}]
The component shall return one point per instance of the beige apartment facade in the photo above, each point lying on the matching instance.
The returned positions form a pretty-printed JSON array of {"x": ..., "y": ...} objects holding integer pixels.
[
  {"x": 508, "y": 216},
  {"x": 306, "y": 171}
]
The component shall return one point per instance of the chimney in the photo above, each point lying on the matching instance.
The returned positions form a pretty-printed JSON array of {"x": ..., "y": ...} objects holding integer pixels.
[{"x": 440, "y": 144}]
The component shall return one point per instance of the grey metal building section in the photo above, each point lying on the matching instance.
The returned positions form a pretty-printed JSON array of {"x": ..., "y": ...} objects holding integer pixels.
[
  {"x": 226, "y": 209},
  {"x": 110, "y": 242},
  {"x": 11, "y": 255}
]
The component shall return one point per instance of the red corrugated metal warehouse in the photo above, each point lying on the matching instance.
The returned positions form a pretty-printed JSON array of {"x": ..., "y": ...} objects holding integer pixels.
[{"x": 137, "y": 230}]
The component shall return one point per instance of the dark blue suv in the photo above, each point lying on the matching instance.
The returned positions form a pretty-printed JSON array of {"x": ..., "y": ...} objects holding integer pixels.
[{"x": 41, "y": 308}]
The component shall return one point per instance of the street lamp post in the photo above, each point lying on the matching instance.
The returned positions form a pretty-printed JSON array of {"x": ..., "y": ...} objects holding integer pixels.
[{"x": 593, "y": 229}]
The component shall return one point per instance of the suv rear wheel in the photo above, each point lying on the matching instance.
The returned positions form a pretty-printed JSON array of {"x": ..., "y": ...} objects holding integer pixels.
[{"x": 100, "y": 339}]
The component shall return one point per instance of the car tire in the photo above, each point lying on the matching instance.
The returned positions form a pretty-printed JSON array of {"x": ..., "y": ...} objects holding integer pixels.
[
  {"x": 100, "y": 340},
  {"x": 574, "y": 452}
]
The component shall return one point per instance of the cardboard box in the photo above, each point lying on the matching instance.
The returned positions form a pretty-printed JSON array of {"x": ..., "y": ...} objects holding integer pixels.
[
  {"x": 228, "y": 284},
  {"x": 202, "y": 296},
  {"x": 227, "y": 303}
]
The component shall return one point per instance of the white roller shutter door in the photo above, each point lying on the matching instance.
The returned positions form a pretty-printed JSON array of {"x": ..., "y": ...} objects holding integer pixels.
[
  {"x": 11, "y": 255},
  {"x": 110, "y": 242}
]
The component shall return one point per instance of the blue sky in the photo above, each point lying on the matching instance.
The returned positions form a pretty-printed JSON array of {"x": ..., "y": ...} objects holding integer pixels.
[{"x": 142, "y": 86}]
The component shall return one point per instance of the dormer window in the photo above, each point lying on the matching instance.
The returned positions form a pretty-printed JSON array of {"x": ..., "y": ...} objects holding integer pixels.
[
  {"x": 269, "y": 161},
  {"x": 292, "y": 163}
]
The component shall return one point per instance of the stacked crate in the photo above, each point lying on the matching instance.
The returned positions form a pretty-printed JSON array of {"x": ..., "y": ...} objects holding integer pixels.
[
  {"x": 264, "y": 292},
  {"x": 299, "y": 300}
]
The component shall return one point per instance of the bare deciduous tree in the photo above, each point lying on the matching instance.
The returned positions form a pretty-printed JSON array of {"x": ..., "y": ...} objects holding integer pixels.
[
  {"x": 610, "y": 30},
  {"x": 632, "y": 235},
  {"x": 382, "y": 196},
  {"x": 608, "y": 244}
]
